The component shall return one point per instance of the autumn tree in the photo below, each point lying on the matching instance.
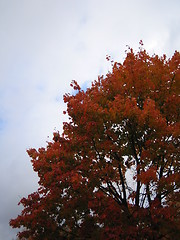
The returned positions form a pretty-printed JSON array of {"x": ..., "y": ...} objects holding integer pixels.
[{"x": 114, "y": 171}]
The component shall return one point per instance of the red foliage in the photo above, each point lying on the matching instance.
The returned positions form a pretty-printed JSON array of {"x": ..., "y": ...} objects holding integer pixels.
[{"x": 114, "y": 172}]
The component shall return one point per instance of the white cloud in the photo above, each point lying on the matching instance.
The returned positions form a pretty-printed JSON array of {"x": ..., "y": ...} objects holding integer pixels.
[{"x": 43, "y": 46}]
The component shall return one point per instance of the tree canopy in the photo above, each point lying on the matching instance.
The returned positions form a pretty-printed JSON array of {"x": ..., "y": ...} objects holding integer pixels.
[{"x": 114, "y": 171}]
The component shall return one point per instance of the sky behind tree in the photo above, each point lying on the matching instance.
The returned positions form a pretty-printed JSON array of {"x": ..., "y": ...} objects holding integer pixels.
[{"x": 44, "y": 44}]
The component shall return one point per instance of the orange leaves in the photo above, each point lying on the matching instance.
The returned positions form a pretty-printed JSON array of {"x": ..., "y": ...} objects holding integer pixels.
[
  {"x": 116, "y": 164},
  {"x": 32, "y": 153},
  {"x": 148, "y": 175},
  {"x": 131, "y": 109},
  {"x": 171, "y": 108},
  {"x": 76, "y": 180},
  {"x": 75, "y": 85}
]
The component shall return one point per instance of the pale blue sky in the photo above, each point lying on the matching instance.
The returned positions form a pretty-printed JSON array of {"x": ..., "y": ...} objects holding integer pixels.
[{"x": 44, "y": 44}]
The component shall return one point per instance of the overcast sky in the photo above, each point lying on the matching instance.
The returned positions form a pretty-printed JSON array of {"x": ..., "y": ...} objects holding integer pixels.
[{"x": 44, "y": 44}]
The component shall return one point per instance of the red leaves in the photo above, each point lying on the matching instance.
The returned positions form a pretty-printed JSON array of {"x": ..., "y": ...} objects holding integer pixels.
[
  {"x": 75, "y": 85},
  {"x": 114, "y": 171},
  {"x": 148, "y": 175},
  {"x": 76, "y": 181}
]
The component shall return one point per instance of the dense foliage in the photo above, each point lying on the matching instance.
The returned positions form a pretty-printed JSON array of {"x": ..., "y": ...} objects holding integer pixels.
[{"x": 114, "y": 172}]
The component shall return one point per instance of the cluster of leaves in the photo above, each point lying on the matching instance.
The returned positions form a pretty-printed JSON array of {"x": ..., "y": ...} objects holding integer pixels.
[{"x": 114, "y": 172}]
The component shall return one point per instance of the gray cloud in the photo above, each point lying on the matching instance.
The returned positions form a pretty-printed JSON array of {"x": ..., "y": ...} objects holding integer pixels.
[{"x": 43, "y": 46}]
